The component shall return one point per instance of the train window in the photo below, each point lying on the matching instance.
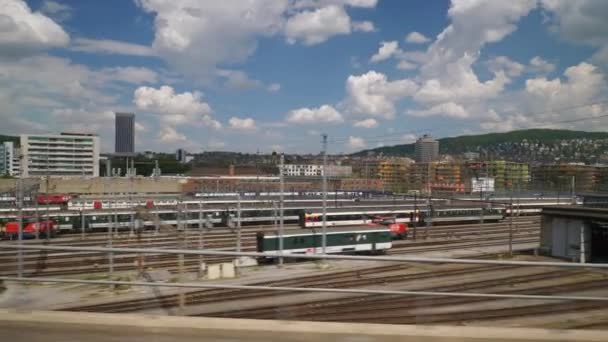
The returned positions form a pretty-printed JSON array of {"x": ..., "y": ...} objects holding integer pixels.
[{"x": 361, "y": 237}]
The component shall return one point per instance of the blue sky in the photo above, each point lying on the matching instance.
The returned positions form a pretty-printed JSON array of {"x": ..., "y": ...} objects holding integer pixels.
[{"x": 274, "y": 74}]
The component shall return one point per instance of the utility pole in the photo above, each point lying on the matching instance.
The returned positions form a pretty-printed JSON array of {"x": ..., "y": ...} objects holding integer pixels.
[
  {"x": 82, "y": 223},
  {"x": 324, "y": 175},
  {"x": 281, "y": 205},
  {"x": 180, "y": 261},
  {"x": 20, "y": 225},
  {"x": 111, "y": 222},
  {"x": 156, "y": 220},
  {"x": 201, "y": 242},
  {"x": 238, "y": 232},
  {"x": 511, "y": 228},
  {"x": 573, "y": 191},
  {"x": 35, "y": 199},
  {"x": 48, "y": 215},
  {"x": 130, "y": 205},
  {"x": 582, "y": 246},
  {"x": 415, "y": 216},
  {"x": 275, "y": 218},
  {"x": 429, "y": 222},
  {"x": 484, "y": 185}
]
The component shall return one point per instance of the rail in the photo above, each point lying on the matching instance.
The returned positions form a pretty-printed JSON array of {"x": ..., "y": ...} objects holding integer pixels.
[
  {"x": 304, "y": 256},
  {"x": 306, "y": 289},
  {"x": 184, "y": 285}
]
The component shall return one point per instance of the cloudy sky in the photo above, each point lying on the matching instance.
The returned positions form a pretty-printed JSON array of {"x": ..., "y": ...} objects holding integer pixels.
[{"x": 248, "y": 75}]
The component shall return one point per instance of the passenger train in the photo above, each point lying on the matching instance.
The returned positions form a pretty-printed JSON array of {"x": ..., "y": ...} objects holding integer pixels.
[
  {"x": 347, "y": 217},
  {"x": 308, "y": 213}
]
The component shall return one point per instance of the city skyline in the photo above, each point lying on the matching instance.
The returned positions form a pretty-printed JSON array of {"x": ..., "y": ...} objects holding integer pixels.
[{"x": 370, "y": 73}]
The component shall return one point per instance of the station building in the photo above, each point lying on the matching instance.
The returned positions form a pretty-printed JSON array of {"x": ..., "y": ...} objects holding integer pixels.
[{"x": 576, "y": 233}]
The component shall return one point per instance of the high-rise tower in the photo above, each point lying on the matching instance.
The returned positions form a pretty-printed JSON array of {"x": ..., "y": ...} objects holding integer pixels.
[{"x": 125, "y": 134}]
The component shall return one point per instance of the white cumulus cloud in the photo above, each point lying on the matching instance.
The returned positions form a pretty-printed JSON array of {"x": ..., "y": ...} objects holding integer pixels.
[
  {"x": 23, "y": 31},
  {"x": 363, "y": 26},
  {"x": 405, "y": 65},
  {"x": 416, "y": 38},
  {"x": 366, "y": 123},
  {"x": 170, "y": 135},
  {"x": 448, "y": 109},
  {"x": 229, "y": 30},
  {"x": 581, "y": 22},
  {"x": 109, "y": 46},
  {"x": 323, "y": 114},
  {"x": 134, "y": 75},
  {"x": 174, "y": 108},
  {"x": 541, "y": 66},
  {"x": 164, "y": 100},
  {"x": 372, "y": 94},
  {"x": 356, "y": 142},
  {"x": 506, "y": 65},
  {"x": 242, "y": 124},
  {"x": 447, "y": 72},
  {"x": 386, "y": 51},
  {"x": 226, "y": 29},
  {"x": 274, "y": 87},
  {"x": 57, "y": 11},
  {"x": 317, "y": 26}
]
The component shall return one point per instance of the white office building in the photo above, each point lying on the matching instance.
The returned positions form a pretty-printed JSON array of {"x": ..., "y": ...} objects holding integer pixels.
[
  {"x": 302, "y": 170},
  {"x": 9, "y": 159},
  {"x": 66, "y": 154},
  {"x": 311, "y": 170}
]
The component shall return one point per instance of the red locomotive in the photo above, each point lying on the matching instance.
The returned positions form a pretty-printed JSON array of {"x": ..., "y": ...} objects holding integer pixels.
[
  {"x": 30, "y": 227},
  {"x": 54, "y": 199},
  {"x": 398, "y": 229}
]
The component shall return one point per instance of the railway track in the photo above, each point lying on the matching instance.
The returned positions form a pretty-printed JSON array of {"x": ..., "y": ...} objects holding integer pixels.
[
  {"x": 124, "y": 238},
  {"x": 383, "y": 308},
  {"x": 353, "y": 308},
  {"x": 125, "y": 235},
  {"x": 61, "y": 263},
  {"x": 392, "y": 309},
  {"x": 340, "y": 279}
]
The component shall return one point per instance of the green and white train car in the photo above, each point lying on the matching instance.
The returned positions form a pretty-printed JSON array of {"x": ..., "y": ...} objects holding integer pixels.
[{"x": 369, "y": 240}]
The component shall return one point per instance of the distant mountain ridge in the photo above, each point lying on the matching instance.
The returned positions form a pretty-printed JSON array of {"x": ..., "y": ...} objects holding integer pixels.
[{"x": 531, "y": 145}]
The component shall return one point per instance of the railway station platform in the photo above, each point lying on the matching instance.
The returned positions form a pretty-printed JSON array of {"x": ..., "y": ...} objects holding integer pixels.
[{"x": 39, "y": 326}]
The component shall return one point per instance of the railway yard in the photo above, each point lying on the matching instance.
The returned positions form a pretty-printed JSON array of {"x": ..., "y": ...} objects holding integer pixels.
[{"x": 332, "y": 284}]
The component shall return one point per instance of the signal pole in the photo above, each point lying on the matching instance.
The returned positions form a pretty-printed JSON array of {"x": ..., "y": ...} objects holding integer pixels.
[
  {"x": 35, "y": 200},
  {"x": 238, "y": 234},
  {"x": 415, "y": 216},
  {"x": 511, "y": 227},
  {"x": 200, "y": 238},
  {"x": 324, "y": 175},
  {"x": 281, "y": 205},
  {"x": 20, "y": 227},
  {"x": 48, "y": 215}
]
